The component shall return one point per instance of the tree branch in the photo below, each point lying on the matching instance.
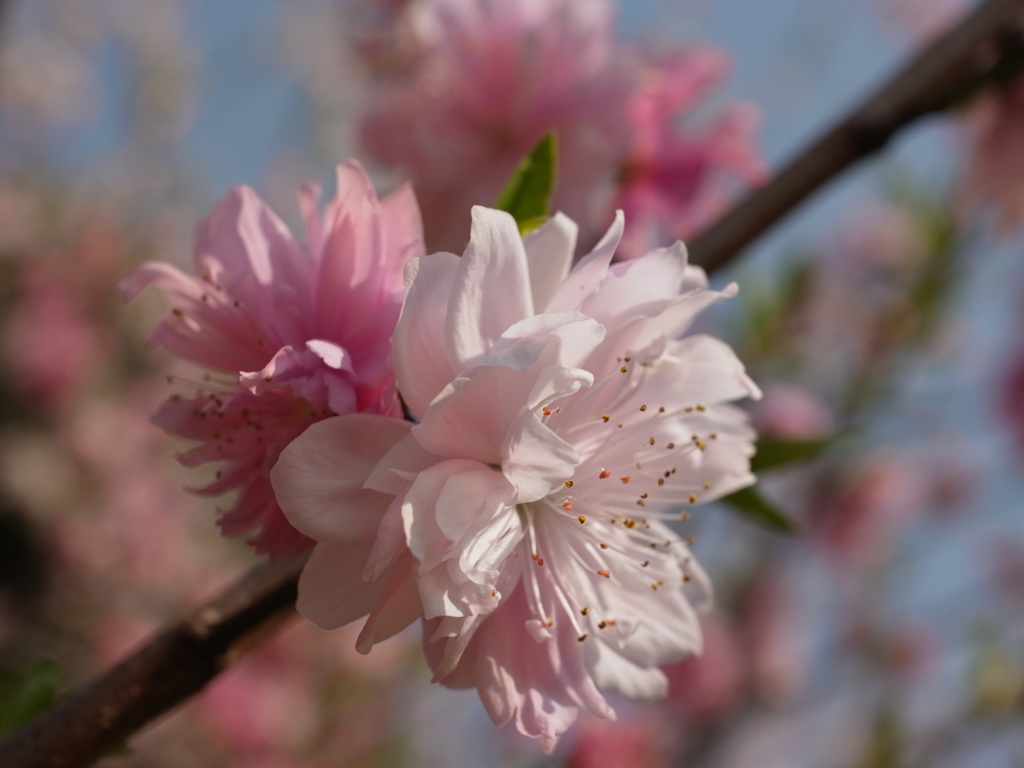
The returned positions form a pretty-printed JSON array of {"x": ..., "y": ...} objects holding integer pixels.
[
  {"x": 988, "y": 45},
  {"x": 177, "y": 663},
  {"x": 166, "y": 671}
]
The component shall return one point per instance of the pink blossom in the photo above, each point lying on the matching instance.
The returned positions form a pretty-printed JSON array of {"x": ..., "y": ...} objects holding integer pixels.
[
  {"x": 562, "y": 421},
  {"x": 873, "y": 506},
  {"x": 790, "y": 412},
  {"x": 674, "y": 182},
  {"x": 492, "y": 78},
  {"x": 709, "y": 686},
  {"x": 996, "y": 165},
  {"x": 298, "y": 331},
  {"x": 53, "y": 347},
  {"x": 638, "y": 743}
]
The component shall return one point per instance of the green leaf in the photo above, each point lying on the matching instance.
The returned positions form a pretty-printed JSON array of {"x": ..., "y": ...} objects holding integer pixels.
[
  {"x": 773, "y": 453},
  {"x": 527, "y": 196},
  {"x": 757, "y": 509},
  {"x": 26, "y": 699}
]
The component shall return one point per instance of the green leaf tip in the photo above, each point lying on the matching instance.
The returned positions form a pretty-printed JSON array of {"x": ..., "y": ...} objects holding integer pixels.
[{"x": 527, "y": 195}]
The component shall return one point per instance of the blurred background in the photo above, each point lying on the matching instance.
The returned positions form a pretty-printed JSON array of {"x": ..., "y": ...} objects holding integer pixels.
[{"x": 881, "y": 321}]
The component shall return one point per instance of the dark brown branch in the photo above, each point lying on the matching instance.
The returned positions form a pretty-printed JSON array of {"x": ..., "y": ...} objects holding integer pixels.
[
  {"x": 944, "y": 73},
  {"x": 166, "y": 671},
  {"x": 180, "y": 661}
]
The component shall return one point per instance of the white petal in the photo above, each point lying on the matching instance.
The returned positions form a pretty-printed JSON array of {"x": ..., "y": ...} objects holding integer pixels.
[
  {"x": 319, "y": 478},
  {"x": 332, "y": 592},
  {"x": 491, "y": 290},
  {"x": 549, "y": 252},
  {"x": 418, "y": 347},
  {"x": 537, "y": 459},
  {"x": 615, "y": 674},
  {"x": 587, "y": 276}
]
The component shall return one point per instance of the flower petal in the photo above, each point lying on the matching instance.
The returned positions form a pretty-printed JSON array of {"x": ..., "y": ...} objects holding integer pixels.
[{"x": 320, "y": 475}]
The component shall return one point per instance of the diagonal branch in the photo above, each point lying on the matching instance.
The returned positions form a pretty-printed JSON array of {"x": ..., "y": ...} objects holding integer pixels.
[
  {"x": 167, "y": 670},
  {"x": 987, "y": 46},
  {"x": 177, "y": 663}
]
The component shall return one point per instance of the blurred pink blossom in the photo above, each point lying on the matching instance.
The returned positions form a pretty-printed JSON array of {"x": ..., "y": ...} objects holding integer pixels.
[
  {"x": 711, "y": 685},
  {"x": 300, "y": 331},
  {"x": 561, "y": 421},
  {"x": 790, "y": 412},
  {"x": 674, "y": 181},
  {"x": 491, "y": 78},
  {"x": 771, "y": 635},
  {"x": 51, "y": 343},
  {"x": 874, "y": 504},
  {"x": 637, "y": 742}
]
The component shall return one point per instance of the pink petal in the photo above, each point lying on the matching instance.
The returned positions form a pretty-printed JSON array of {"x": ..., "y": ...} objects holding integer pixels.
[
  {"x": 549, "y": 254},
  {"x": 586, "y": 277},
  {"x": 332, "y": 592},
  {"x": 320, "y": 475},
  {"x": 491, "y": 289},
  {"x": 419, "y": 348}
]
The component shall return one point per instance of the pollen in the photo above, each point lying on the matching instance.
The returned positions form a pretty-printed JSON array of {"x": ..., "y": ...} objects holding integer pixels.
[
  {"x": 690, "y": 539},
  {"x": 706, "y": 486},
  {"x": 623, "y": 369},
  {"x": 643, "y": 407},
  {"x": 603, "y": 545},
  {"x": 693, "y": 498},
  {"x": 581, "y": 518},
  {"x": 686, "y": 577},
  {"x": 640, "y": 502},
  {"x": 670, "y": 446},
  {"x": 661, "y": 481},
  {"x": 630, "y": 523},
  {"x": 651, "y": 440},
  {"x": 546, "y": 411},
  {"x": 605, "y": 474},
  {"x": 494, "y": 593},
  {"x": 584, "y": 611},
  {"x": 701, "y": 407},
  {"x": 607, "y": 417},
  {"x": 661, "y": 409},
  {"x": 605, "y": 572},
  {"x": 569, "y": 483}
]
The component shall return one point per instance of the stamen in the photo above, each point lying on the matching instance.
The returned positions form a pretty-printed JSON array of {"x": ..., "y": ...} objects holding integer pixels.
[
  {"x": 604, "y": 572},
  {"x": 605, "y": 474},
  {"x": 582, "y": 519}
]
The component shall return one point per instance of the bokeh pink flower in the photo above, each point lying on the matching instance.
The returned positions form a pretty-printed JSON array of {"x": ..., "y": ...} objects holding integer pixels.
[
  {"x": 562, "y": 421},
  {"x": 489, "y": 79},
  {"x": 294, "y": 332}
]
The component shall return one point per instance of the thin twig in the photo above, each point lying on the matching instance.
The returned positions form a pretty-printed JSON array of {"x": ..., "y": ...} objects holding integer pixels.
[
  {"x": 166, "y": 671},
  {"x": 973, "y": 54},
  {"x": 177, "y": 663}
]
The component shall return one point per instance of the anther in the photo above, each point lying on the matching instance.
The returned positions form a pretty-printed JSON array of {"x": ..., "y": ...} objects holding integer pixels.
[
  {"x": 546, "y": 411},
  {"x": 684, "y": 516},
  {"x": 602, "y": 625},
  {"x": 629, "y": 523},
  {"x": 569, "y": 483},
  {"x": 701, "y": 407},
  {"x": 627, "y": 359},
  {"x": 661, "y": 409},
  {"x": 606, "y": 417},
  {"x": 567, "y": 505},
  {"x": 604, "y": 572},
  {"x": 603, "y": 545},
  {"x": 645, "y": 563},
  {"x": 651, "y": 440},
  {"x": 640, "y": 502},
  {"x": 690, "y": 539},
  {"x": 622, "y": 369},
  {"x": 582, "y": 518},
  {"x": 643, "y": 495},
  {"x": 693, "y": 498},
  {"x": 605, "y": 474},
  {"x": 582, "y": 637},
  {"x": 686, "y": 577},
  {"x": 706, "y": 486},
  {"x": 661, "y": 481},
  {"x": 584, "y": 611},
  {"x": 643, "y": 407},
  {"x": 494, "y": 593},
  {"x": 624, "y": 479}
]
